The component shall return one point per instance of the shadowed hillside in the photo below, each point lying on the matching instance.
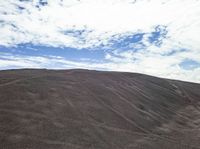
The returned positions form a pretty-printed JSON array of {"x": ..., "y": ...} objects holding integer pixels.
[{"x": 82, "y": 109}]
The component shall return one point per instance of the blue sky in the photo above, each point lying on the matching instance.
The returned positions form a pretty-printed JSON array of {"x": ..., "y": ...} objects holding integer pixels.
[{"x": 155, "y": 37}]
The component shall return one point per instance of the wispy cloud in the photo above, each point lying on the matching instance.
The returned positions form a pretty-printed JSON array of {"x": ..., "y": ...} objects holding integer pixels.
[{"x": 125, "y": 61}]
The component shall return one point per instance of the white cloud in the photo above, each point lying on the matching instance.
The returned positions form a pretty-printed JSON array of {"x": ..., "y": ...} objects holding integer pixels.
[
  {"x": 154, "y": 64},
  {"x": 100, "y": 18}
]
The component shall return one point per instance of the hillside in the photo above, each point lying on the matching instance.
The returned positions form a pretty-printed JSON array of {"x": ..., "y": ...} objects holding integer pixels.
[{"x": 83, "y": 109}]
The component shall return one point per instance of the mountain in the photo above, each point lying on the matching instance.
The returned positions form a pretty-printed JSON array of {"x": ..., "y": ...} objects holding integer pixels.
[{"x": 85, "y": 109}]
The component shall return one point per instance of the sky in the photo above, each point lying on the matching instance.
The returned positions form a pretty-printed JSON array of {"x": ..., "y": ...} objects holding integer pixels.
[{"x": 154, "y": 37}]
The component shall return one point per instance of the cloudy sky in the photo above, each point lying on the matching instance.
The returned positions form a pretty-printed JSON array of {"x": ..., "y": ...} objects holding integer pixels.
[{"x": 155, "y": 37}]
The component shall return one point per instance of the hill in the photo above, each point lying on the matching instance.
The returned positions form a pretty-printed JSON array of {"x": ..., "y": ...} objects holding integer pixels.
[{"x": 84, "y": 109}]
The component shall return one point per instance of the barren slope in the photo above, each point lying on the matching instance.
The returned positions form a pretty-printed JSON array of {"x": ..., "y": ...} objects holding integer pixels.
[{"x": 81, "y": 109}]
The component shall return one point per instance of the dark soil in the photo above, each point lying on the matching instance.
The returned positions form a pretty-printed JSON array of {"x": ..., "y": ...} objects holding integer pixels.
[{"x": 82, "y": 109}]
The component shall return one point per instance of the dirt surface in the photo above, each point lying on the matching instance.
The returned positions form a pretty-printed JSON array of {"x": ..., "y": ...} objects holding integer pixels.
[{"x": 82, "y": 109}]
